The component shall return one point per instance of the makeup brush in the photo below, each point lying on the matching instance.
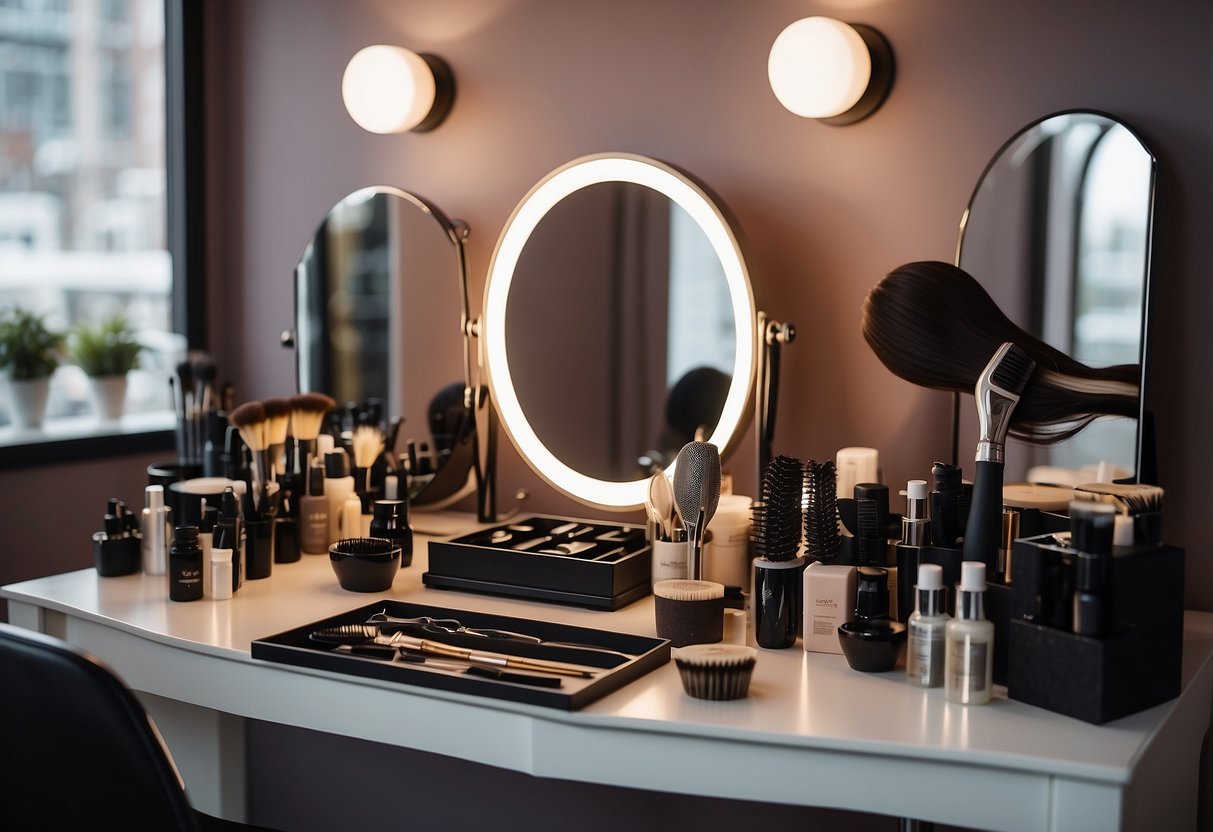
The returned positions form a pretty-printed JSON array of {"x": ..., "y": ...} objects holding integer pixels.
[
  {"x": 998, "y": 391},
  {"x": 776, "y": 524},
  {"x": 252, "y": 423},
  {"x": 696, "y": 495},
  {"x": 932, "y": 324},
  {"x": 821, "y": 538},
  {"x": 307, "y": 418},
  {"x": 278, "y": 421},
  {"x": 185, "y": 380},
  {"x": 367, "y": 445}
]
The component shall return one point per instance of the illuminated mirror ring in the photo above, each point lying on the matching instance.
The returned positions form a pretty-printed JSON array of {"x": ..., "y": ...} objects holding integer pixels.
[{"x": 561, "y": 183}]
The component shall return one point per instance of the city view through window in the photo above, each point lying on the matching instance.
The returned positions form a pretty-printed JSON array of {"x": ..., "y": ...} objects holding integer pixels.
[{"x": 82, "y": 183}]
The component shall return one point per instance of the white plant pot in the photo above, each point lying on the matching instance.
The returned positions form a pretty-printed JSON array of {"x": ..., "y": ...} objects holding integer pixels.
[
  {"x": 29, "y": 401},
  {"x": 109, "y": 396}
]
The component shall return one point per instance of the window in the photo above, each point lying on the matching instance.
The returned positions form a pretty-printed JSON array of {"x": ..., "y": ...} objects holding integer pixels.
[{"x": 85, "y": 166}]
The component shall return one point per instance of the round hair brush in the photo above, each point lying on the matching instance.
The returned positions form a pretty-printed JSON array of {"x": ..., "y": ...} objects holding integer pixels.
[
  {"x": 821, "y": 538},
  {"x": 696, "y": 495},
  {"x": 933, "y": 325},
  {"x": 775, "y": 530}
]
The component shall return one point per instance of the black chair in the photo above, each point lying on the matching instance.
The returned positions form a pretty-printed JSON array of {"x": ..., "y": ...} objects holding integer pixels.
[{"x": 77, "y": 750}]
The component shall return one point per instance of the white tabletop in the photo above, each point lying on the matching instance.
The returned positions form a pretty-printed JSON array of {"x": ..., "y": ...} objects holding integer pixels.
[{"x": 808, "y": 712}]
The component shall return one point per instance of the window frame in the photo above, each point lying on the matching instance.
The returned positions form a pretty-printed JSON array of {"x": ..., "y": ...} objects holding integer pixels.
[{"x": 186, "y": 235}]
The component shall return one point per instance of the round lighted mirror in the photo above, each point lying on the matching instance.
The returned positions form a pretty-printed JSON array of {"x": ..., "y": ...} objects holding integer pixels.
[{"x": 618, "y": 325}]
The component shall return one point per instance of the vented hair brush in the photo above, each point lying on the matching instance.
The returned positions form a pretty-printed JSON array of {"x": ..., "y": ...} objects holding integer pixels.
[{"x": 821, "y": 538}]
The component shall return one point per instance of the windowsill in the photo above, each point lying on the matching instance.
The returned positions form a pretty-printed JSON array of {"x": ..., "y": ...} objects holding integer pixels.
[{"x": 85, "y": 437}]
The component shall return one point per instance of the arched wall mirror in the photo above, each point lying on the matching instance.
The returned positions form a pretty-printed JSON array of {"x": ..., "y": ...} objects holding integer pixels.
[
  {"x": 1058, "y": 231},
  {"x": 378, "y": 315},
  {"x": 619, "y": 322}
]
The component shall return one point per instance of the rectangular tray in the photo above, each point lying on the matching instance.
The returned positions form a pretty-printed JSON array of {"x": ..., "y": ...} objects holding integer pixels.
[
  {"x": 597, "y": 577},
  {"x": 294, "y": 647}
]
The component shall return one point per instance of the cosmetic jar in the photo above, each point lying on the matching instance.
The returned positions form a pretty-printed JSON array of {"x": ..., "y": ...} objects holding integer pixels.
[
  {"x": 689, "y": 612},
  {"x": 872, "y": 641},
  {"x": 365, "y": 564}
]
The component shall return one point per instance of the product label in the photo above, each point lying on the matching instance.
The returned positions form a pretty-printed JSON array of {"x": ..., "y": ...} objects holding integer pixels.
[
  {"x": 924, "y": 658},
  {"x": 824, "y": 626},
  {"x": 967, "y": 663}
]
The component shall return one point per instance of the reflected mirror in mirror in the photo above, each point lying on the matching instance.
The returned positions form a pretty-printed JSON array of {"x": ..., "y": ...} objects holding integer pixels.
[
  {"x": 1058, "y": 231},
  {"x": 619, "y": 325},
  {"x": 377, "y": 316}
]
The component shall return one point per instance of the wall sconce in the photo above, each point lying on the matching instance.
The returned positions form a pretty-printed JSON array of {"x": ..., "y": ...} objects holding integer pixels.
[
  {"x": 832, "y": 71},
  {"x": 388, "y": 89}
]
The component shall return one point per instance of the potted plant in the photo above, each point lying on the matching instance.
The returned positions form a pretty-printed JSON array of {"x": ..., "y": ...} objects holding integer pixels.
[
  {"x": 29, "y": 353},
  {"x": 107, "y": 353}
]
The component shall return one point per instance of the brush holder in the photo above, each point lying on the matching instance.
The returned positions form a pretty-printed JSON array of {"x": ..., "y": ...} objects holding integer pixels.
[
  {"x": 689, "y": 612},
  {"x": 365, "y": 564},
  {"x": 670, "y": 559},
  {"x": 777, "y": 597},
  {"x": 1136, "y": 665},
  {"x": 258, "y": 549}
]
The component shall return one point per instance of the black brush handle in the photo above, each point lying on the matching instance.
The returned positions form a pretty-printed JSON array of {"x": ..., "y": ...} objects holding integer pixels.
[{"x": 985, "y": 517}]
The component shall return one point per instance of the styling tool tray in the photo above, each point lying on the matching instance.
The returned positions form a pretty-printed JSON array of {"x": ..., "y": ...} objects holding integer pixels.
[
  {"x": 595, "y": 564},
  {"x": 606, "y": 660}
]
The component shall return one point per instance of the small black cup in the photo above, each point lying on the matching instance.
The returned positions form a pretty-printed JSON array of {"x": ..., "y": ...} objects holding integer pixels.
[{"x": 258, "y": 549}]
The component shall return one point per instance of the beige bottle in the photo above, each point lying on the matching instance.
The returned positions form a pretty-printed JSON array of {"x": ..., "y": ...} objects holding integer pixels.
[{"x": 969, "y": 641}]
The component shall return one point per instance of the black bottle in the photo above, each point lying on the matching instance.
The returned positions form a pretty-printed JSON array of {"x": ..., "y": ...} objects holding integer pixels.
[
  {"x": 227, "y": 534},
  {"x": 872, "y": 641},
  {"x": 391, "y": 522},
  {"x": 185, "y": 565}
]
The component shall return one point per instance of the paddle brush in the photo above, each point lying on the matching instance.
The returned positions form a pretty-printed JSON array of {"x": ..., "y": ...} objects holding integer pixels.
[
  {"x": 932, "y": 324},
  {"x": 696, "y": 495}
]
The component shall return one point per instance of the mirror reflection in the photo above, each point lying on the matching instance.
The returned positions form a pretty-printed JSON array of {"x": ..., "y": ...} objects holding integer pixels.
[
  {"x": 620, "y": 331},
  {"x": 377, "y": 318},
  {"x": 1058, "y": 231}
]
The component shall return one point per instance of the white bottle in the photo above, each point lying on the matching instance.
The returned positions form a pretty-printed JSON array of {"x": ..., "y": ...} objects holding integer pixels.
[
  {"x": 338, "y": 485},
  {"x": 156, "y": 531},
  {"x": 969, "y": 662},
  {"x": 351, "y": 518},
  {"x": 221, "y": 574},
  {"x": 925, "y": 651}
]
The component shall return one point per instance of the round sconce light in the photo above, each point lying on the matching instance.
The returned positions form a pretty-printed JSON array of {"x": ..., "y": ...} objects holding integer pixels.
[
  {"x": 388, "y": 89},
  {"x": 831, "y": 71}
]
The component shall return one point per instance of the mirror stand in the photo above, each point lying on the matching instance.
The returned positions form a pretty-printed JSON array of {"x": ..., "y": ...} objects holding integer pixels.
[
  {"x": 476, "y": 397},
  {"x": 771, "y": 336}
]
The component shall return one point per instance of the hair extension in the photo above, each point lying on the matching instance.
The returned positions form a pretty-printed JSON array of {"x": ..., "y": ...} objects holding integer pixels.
[{"x": 933, "y": 325}]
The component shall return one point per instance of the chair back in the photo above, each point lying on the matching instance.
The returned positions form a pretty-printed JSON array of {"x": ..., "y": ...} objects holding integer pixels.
[{"x": 77, "y": 750}]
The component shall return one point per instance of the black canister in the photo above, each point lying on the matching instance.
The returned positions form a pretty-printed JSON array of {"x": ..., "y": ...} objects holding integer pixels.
[{"x": 390, "y": 521}]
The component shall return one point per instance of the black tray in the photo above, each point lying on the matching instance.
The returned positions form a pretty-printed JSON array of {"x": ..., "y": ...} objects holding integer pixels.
[
  {"x": 294, "y": 647},
  {"x": 612, "y": 570}
]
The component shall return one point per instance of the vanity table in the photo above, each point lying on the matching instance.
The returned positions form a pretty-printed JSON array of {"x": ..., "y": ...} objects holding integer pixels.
[{"x": 828, "y": 731}]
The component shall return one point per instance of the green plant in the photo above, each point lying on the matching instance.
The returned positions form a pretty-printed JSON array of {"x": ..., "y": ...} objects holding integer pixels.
[
  {"x": 107, "y": 350},
  {"x": 28, "y": 349}
]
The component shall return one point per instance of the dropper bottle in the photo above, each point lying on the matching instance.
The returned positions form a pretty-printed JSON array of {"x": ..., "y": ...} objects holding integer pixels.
[
  {"x": 927, "y": 625},
  {"x": 969, "y": 655}
]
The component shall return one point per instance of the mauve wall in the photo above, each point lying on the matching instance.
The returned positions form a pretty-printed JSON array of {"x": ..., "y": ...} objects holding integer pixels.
[{"x": 826, "y": 211}]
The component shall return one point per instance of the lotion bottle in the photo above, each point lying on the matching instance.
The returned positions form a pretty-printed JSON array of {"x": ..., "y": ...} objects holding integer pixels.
[
  {"x": 969, "y": 654},
  {"x": 338, "y": 485},
  {"x": 927, "y": 625},
  {"x": 220, "y": 567},
  {"x": 156, "y": 531},
  {"x": 314, "y": 516}
]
